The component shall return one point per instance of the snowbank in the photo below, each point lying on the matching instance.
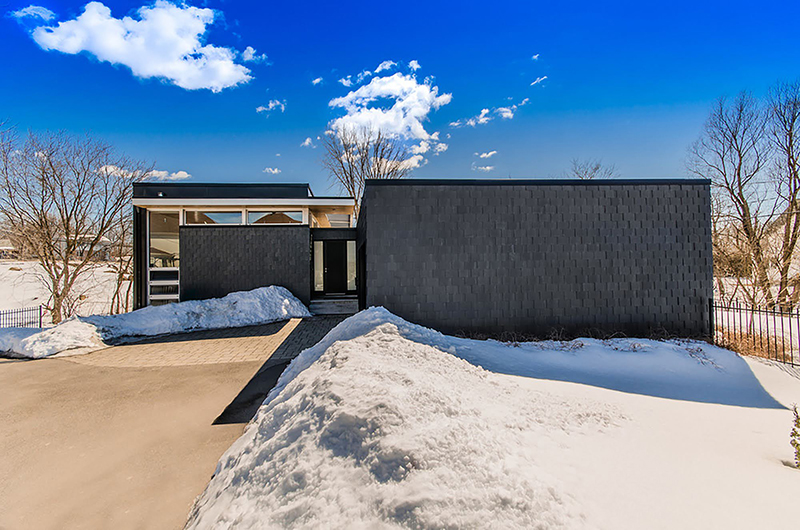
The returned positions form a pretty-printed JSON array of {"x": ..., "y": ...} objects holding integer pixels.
[
  {"x": 677, "y": 369},
  {"x": 259, "y": 306},
  {"x": 383, "y": 425},
  {"x": 246, "y": 308}
]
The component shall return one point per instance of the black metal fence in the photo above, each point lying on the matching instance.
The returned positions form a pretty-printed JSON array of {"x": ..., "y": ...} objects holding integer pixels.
[
  {"x": 26, "y": 317},
  {"x": 769, "y": 333}
]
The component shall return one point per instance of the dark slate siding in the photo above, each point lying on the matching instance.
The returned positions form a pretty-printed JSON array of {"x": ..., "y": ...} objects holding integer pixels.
[
  {"x": 217, "y": 260},
  {"x": 536, "y": 258}
]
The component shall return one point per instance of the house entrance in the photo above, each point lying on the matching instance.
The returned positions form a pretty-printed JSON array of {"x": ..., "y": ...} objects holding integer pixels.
[
  {"x": 335, "y": 260},
  {"x": 334, "y": 267}
]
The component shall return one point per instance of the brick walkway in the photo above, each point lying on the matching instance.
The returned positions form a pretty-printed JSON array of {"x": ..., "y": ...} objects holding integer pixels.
[
  {"x": 307, "y": 333},
  {"x": 274, "y": 343}
]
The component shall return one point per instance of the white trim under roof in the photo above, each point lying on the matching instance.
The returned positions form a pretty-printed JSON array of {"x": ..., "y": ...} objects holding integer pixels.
[{"x": 310, "y": 201}]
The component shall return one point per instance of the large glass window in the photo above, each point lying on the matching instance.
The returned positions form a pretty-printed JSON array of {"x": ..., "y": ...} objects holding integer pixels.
[
  {"x": 274, "y": 217},
  {"x": 339, "y": 220},
  {"x": 164, "y": 247},
  {"x": 319, "y": 267},
  {"x": 351, "y": 265},
  {"x": 197, "y": 217}
]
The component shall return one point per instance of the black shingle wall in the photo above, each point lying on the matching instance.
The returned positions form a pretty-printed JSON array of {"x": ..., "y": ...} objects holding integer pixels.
[
  {"x": 534, "y": 258},
  {"x": 217, "y": 260}
]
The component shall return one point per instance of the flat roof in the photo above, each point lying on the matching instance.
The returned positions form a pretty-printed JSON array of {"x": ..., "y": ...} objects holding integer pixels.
[
  {"x": 219, "y": 190},
  {"x": 535, "y": 182}
]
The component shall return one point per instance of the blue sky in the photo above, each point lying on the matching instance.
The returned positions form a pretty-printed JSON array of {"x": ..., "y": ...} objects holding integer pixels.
[{"x": 629, "y": 83}]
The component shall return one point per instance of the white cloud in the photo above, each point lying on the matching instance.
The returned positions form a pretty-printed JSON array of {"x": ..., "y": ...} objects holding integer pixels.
[
  {"x": 316, "y": 81},
  {"x": 34, "y": 12},
  {"x": 154, "y": 174},
  {"x": 272, "y": 105},
  {"x": 535, "y": 57},
  {"x": 413, "y": 162},
  {"x": 271, "y": 170},
  {"x": 482, "y": 118},
  {"x": 409, "y": 104},
  {"x": 489, "y": 154},
  {"x": 385, "y": 65},
  {"x": 538, "y": 80},
  {"x": 422, "y": 148},
  {"x": 486, "y": 115},
  {"x": 505, "y": 112},
  {"x": 397, "y": 105},
  {"x": 166, "y": 42},
  {"x": 362, "y": 76},
  {"x": 109, "y": 169},
  {"x": 166, "y": 175},
  {"x": 476, "y": 167},
  {"x": 249, "y": 55},
  {"x": 414, "y": 65},
  {"x": 508, "y": 112},
  {"x": 277, "y": 154},
  {"x": 308, "y": 142}
]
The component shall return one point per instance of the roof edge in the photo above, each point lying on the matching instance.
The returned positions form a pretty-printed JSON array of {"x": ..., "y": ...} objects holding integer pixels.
[{"x": 536, "y": 182}]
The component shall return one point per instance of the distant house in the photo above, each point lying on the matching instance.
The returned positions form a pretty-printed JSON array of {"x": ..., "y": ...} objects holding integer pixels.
[
  {"x": 82, "y": 244},
  {"x": 8, "y": 250},
  {"x": 483, "y": 256}
]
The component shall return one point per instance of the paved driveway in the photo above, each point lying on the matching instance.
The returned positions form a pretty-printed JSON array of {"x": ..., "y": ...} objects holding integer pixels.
[{"x": 125, "y": 437}]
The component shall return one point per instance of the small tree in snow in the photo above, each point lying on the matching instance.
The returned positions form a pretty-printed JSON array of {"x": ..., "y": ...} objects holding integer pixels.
[
  {"x": 794, "y": 436},
  {"x": 121, "y": 238},
  {"x": 63, "y": 196}
]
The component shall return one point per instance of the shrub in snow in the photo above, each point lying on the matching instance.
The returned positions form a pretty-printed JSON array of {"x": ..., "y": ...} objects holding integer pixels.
[
  {"x": 259, "y": 306},
  {"x": 794, "y": 436}
]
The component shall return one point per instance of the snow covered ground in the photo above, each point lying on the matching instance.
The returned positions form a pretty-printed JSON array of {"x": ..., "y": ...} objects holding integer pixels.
[
  {"x": 83, "y": 334},
  {"x": 385, "y": 424},
  {"x": 20, "y": 286}
]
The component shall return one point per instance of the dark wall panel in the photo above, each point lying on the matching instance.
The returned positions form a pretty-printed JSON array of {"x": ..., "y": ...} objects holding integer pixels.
[
  {"x": 217, "y": 260},
  {"x": 536, "y": 258}
]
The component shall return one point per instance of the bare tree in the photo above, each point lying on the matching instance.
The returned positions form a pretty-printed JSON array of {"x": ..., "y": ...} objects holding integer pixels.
[
  {"x": 784, "y": 133},
  {"x": 591, "y": 169},
  {"x": 62, "y": 195},
  {"x": 733, "y": 152},
  {"x": 353, "y": 155},
  {"x": 121, "y": 238}
]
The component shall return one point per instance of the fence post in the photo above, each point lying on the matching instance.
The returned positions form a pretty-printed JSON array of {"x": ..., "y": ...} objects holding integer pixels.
[
  {"x": 711, "y": 320},
  {"x": 40, "y": 315}
]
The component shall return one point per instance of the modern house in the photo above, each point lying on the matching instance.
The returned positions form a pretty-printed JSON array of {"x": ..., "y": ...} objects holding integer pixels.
[
  {"x": 196, "y": 241},
  {"x": 473, "y": 256}
]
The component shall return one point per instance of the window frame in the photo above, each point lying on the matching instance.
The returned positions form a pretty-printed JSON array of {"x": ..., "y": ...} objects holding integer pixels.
[
  {"x": 240, "y": 211},
  {"x": 302, "y": 211}
]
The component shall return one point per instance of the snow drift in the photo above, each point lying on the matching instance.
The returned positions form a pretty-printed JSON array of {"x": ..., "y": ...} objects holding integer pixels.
[
  {"x": 383, "y": 425},
  {"x": 247, "y": 308}
]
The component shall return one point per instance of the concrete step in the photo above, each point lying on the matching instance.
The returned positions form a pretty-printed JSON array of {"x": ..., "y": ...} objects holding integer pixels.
[{"x": 334, "y": 306}]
